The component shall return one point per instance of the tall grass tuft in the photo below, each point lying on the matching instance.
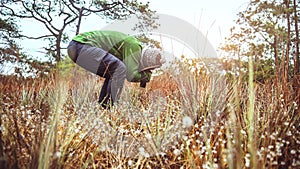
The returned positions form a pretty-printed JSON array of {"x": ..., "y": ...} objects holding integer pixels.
[
  {"x": 251, "y": 145},
  {"x": 57, "y": 99}
]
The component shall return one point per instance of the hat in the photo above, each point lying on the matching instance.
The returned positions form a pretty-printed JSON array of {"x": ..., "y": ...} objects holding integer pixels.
[{"x": 151, "y": 58}]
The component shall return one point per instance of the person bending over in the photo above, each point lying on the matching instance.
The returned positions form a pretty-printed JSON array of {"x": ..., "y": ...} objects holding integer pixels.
[{"x": 114, "y": 56}]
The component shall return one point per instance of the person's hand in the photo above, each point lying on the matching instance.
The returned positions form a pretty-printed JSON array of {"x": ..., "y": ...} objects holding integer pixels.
[
  {"x": 143, "y": 84},
  {"x": 145, "y": 78}
]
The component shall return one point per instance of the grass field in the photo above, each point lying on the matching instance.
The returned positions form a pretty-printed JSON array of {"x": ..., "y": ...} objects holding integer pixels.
[{"x": 183, "y": 119}]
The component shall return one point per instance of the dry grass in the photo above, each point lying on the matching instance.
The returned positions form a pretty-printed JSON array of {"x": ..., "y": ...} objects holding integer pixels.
[{"x": 186, "y": 119}]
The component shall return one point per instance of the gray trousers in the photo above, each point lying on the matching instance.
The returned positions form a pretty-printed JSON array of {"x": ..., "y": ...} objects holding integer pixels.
[{"x": 104, "y": 64}]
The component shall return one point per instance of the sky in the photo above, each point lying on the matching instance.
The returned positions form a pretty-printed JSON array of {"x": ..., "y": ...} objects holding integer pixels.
[{"x": 213, "y": 18}]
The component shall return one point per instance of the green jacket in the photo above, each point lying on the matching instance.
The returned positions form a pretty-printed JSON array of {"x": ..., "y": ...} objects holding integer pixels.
[{"x": 126, "y": 48}]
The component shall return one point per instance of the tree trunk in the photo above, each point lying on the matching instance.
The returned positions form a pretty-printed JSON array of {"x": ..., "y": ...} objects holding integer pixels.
[
  {"x": 277, "y": 65},
  {"x": 296, "y": 80},
  {"x": 58, "y": 42},
  {"x": 58, "y": 49},
  {"x": 79, "y": 20},
  {"x": 296, "y": 57},
  {"x": 288, "y": 43}
]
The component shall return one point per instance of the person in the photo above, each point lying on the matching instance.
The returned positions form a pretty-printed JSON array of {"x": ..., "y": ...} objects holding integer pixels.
[{"x": 114, "y": 56}]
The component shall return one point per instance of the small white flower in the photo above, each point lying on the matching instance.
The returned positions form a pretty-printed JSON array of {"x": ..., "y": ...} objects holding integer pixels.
[
  {"x": 188, "y": 142},
  {"x": 187, "y": 122},
  {"x": 247, "y": 160},
  {"x": 146, "y": 155},
  {"x": 137, "y": 132},
  {"x": 130, "y": 162},
  {"x": 103, "y": 148},
  {"x": 143, "y": 153},
  {"x": 218, "y": 113},
  {"x": 185, "y": 138},
  {"x": 223, "y": 72},
  {"x": 57, "y": 154},
  {"x": 272, "y": 137},
  {"x": 193, "y": 69},
  {"x": 176, "y": 152},
  {"x": 141, "y": 150},
  {"x": 148, "y": 136}
]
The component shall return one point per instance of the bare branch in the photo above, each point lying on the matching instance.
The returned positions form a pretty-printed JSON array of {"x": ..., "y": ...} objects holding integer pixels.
[
  {"x": 105, "y": 7},
  {"x": 73, "y": 5},
  {"x": 49, "y": 10},
  {"x": 39, "y": 37},
  {"x": 13, "y": 12},
  {"x": 42, "y": 19}
]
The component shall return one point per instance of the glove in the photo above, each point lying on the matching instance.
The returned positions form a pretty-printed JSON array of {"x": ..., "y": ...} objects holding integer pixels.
[
  {"x": 143, "y": 84},
  {"x": 145, "y": 78}
]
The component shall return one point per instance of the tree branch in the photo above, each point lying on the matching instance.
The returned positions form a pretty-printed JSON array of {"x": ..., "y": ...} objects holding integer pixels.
[
  {"x": 13, "y": 12},
  {"x": 42, "y": 19},
  {"x": 39, "y": 37}
]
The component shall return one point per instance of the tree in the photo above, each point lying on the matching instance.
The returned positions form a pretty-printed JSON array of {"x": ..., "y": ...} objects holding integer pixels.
[
  {"x": 10, "y": 52},
  {"x": 297, "y": 42},
  {"x": 8, "y": 47},
  {"x": 267, "y": 30},
  {"x": 58, "y": 15}
]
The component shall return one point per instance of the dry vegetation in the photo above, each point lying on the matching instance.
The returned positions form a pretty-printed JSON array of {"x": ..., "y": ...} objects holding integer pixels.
[{"x": 181, "y": 120}]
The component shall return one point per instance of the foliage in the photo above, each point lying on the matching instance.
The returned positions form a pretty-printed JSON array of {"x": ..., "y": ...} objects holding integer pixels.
[
  {"x": 13, "y": 58},
  {"x": 267, "y": 31},
  {"x": 8, "y": 48}
]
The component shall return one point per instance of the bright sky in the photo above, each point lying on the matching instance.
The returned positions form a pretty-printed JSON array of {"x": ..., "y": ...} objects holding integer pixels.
[{"x": 213, "y": 18}]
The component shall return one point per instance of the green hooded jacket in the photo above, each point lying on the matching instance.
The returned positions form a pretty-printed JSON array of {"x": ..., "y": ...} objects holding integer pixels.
[{"x": 126, "y": 48}]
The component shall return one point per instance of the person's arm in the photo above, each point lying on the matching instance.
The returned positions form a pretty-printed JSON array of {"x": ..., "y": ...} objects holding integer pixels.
[
  {"x": 146, "y": 76},
  {"x": 132, "y": 54}
]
